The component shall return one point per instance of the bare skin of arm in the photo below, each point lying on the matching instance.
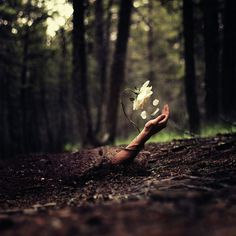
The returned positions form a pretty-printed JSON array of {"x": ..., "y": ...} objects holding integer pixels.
[{"x": 151, "y": 127}]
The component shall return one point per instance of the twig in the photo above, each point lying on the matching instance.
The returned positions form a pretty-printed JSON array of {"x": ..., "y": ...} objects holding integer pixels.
[{"x": 123, "y": 108}]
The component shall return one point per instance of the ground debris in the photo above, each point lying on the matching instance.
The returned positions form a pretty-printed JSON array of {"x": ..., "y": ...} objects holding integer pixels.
[{"x": 185, "y": 187}]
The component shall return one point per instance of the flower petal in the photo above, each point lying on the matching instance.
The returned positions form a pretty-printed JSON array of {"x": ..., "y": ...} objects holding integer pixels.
[
  {"x": 143, "y": 115},
  {"x": 135, "y": 105},
  {"x": 145, "y": 84},
  {"x": 155, "y": 112},
  {"x": 143, "y": 96},
  {"x": 155, "y": 102}
]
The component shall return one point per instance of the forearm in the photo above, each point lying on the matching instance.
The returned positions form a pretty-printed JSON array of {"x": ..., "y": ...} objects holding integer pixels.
[
  {"x": 131, "y": 151},
  {"x": 139, "y": 140},
  {"x": 151, "y": 127}
]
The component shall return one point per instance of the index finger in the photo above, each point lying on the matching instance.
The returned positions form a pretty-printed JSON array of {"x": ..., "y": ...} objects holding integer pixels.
[{"x": 166, "y": 110}]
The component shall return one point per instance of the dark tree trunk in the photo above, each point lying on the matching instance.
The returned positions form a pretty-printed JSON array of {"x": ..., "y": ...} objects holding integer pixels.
[
  {"x": 211, "y": 36},
  {"x": 79, "y": 75},
  {"x": 108, "y": 25},
  {"x": 50, "y": 142},
  {"x": 33, "y": 119},
  {"x": 150, "y": 43},
  {"x": 13, "y": 115},
  {"x": 63, "y": 91},
  {"x": 107, "y": 47},
  {"x": 4, "y": 138},
  {"x": 24, "y": 90},
  {"x": 118, "y": 66},
  {"x": 101, "y": 58},
  {"x": 190, "y": 87},
  {"x": 228, "y": 79}
]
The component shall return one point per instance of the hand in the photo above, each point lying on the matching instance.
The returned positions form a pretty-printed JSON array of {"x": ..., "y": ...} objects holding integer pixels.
[
  {"x": 150, "y": 128},
  {"x": 155, "y": 125}
]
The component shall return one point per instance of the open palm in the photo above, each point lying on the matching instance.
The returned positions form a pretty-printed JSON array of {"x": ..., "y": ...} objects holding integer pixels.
[{"x": 155, "y": 125}]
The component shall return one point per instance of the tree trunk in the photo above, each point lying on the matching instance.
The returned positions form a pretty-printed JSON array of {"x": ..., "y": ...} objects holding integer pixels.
[
  {"x": 190, "y": 87},
  {"x": 13, "y": 115},
  {"x": 50, "y": 142},
  {"x": 63, "y": 91},
  {"x": 211, "y": 36},
  {"x": 79, "y": 75},
  {"x": 4, "y": 137},
  {"x": 101, "y": 58},
  {"x": 228, "y": 78},
  {"x": 108, "y": 25},
  {"x": 24, "y": 90},
  {"x": 118, "y": 66},
  {"x": 150, "y": 43},
  {"x": 33, "y": 117}
]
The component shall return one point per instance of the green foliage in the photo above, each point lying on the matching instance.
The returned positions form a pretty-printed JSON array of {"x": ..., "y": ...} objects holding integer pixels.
[
  {"x": 168, "y": 135},
  {"x": 212, "y": 130}
]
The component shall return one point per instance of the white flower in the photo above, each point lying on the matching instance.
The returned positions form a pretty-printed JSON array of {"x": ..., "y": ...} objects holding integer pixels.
[
  {"x": 143, "y": 115},
  {"x": 143, "y": 95},
  {"x": 155, "y": 102}
]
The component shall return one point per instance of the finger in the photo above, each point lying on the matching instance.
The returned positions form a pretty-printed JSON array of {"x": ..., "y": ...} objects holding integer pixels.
[
  {"x": 165, "y": 110},
  {"x": 164, "y": 120},
  {"x": 159, "y": 119},
  {"x": 155, "y": 121}
]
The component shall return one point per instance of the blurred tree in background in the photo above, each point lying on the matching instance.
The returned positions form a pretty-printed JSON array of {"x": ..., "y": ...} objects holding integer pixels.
[
  {"x": 190, "y": 74},
  {"x": 60, "y": 87}
]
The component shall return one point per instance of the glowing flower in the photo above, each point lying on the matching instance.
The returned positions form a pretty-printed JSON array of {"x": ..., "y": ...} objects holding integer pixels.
[
  {"x": 143, "y": 95},
  {"x": 143, "y": 115},
  {"x": 142, "y": 102},
  {"x": 155, "y": 102}
]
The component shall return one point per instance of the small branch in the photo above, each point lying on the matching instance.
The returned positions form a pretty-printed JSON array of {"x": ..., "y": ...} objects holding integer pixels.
[{"x": 123, "y": 108}]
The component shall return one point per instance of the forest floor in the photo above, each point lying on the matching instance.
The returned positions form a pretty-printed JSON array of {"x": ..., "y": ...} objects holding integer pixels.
[{"x": 184, "y": 187}]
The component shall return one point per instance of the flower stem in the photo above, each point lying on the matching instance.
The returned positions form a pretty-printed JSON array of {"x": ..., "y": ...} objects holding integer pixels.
[{"x": 124, "y": 111}]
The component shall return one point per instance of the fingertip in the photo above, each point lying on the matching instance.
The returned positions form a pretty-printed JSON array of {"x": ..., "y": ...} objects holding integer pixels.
[{"x": 166, "y": 107}]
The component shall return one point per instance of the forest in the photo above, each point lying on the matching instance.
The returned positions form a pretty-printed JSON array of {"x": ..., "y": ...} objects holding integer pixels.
[
  {"x": 85, "y": 88},
  {"x": 62, "y": 89}
]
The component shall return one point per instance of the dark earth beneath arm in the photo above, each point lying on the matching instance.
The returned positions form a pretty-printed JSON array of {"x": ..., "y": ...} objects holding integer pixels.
[{"x": 184, "y": 187}]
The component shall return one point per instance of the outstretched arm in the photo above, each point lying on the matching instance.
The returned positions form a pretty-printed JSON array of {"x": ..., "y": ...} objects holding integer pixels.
[{"x": 151, "y": 127}]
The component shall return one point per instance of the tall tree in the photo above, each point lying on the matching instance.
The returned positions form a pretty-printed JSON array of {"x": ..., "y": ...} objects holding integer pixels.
[
  {"x": 32, "y": 38},
  {"x": 23, "y": 34},
  {"x": 25, "y": 88},
  {"x": 103, "y": 14},
  {"x": 101, "y": 59},
  {"x": 79, "y": 74},
  {"x": 190, "y": 83},
  {"x": 63, "y": 90},
  {"x": 150, "y": 42},
  {"x": 228, "y": 79},
  {"x": 118, "y": 66},
  {"x": 211, "y": 37},
  {"x": 10, "y": 131}
]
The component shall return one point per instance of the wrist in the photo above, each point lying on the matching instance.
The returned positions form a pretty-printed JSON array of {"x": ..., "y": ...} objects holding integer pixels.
[{"x": 145, "y": 135}]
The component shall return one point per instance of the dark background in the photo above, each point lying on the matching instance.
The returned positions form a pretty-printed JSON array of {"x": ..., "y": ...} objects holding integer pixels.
[{"x": 62, "y": 90}]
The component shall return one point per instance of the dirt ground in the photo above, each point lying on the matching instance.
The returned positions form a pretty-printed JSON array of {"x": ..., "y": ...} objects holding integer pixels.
[{"x": 185, "y": 187}]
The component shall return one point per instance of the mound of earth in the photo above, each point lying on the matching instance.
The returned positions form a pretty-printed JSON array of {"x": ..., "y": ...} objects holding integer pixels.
[{"x": 184, "y": 187}]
